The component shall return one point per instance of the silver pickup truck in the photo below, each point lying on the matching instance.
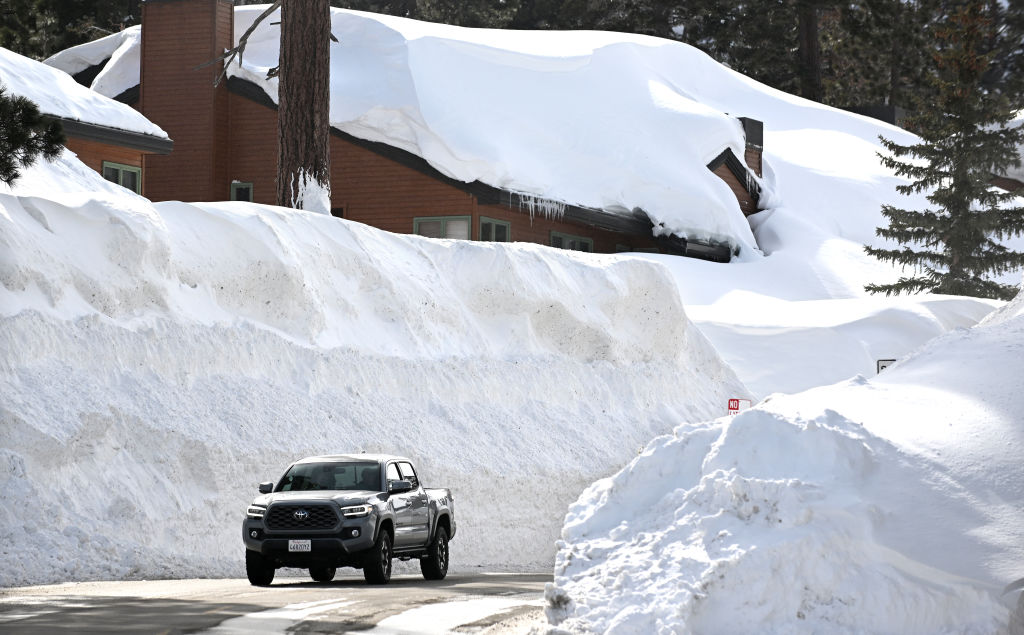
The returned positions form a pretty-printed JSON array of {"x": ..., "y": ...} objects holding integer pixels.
[{"x": 349, "y": 510}]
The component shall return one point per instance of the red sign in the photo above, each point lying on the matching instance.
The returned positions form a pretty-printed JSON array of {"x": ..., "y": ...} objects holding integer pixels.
[{"x": 735, "y": 405}]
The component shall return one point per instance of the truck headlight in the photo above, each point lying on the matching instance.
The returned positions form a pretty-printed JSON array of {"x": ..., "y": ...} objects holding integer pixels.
[
  {"x": 255, "y": 511},
  {"x": 356, "y": 511}
]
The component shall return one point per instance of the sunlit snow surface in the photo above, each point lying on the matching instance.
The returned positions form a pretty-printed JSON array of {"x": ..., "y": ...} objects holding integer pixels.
[
  {"x": 160, "y": 360},
  {"x": 894, "y": 505},
  {"x": 57, "y": 94},
  {"x": 165, "y": 358}
]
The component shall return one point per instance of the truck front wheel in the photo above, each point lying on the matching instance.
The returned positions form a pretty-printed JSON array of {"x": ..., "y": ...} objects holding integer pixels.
[
  {"x": 259, "y": 571},
  {"x": 377, "y": 567},
  {"x": 435, "y": 565}
]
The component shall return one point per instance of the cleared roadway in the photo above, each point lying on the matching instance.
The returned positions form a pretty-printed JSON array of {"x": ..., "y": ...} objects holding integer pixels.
[{"x": 462, "y": 603}]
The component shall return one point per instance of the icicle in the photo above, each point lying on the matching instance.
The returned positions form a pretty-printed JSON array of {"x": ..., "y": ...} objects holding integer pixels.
[{"x": 550, "y": 209}]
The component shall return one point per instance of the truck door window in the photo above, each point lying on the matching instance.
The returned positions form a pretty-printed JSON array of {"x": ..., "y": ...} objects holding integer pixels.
[
  {"x": 392, "y": 473},
  {"x": 408, "y": 473}
]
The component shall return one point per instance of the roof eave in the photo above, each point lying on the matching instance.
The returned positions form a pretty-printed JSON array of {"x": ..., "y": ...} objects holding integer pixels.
[{"x": 142, "y": 142}]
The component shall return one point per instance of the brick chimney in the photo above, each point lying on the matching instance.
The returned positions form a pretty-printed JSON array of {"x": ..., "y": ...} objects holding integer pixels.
[
  {"x": 753, "y": 130},
  {"x": 178, "y": 36}
]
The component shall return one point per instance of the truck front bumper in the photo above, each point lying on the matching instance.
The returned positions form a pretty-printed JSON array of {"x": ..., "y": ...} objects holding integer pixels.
[{"x": 339, "y": 548}]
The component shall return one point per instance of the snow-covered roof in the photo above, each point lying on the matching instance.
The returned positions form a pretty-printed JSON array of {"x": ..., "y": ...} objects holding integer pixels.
[
  {"x": 600, "y": 120},
  {"x": 59, "y": 95},
  {"x": 121, "y": 48}
]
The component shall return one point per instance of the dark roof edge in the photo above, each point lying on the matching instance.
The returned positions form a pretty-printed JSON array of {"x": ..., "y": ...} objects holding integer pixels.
[
  {"x": 113, "y": 136},
  {"x": 638, "y": 224}
]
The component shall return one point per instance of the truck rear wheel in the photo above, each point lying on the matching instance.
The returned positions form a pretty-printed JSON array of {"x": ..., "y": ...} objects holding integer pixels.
[
  {"x": 259, "y": 571},
  {"x": 435, "y": 565},
  {"x": 322, "y": 574},
  {"x": 377, "y": 567}
]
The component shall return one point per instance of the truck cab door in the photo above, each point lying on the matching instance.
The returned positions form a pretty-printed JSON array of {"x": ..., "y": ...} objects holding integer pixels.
[
  {"x": 402, "y": 504},
  {"x": 419, "y": 530}
]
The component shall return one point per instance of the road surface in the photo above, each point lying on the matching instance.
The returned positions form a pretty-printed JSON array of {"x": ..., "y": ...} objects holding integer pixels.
[{"x": 463, "y": 603}]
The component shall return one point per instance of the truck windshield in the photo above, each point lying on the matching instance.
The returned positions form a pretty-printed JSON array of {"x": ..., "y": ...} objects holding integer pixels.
[{"x": 305, "y": 477}]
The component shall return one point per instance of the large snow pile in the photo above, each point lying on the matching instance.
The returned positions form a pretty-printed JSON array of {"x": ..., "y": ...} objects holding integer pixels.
[
  {"x": 57, "y": 94},
  {"x": 890, "y": 505},
  {"x": 162, "y": 359}
]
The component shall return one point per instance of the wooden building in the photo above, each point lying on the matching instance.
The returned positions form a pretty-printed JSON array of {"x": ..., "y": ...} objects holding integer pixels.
[{"x": 225, "y": 148}]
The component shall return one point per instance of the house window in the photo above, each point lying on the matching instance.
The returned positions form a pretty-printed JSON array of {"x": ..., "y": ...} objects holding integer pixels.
[
  {"x": 241, "y": 191},
  {"x": 442, "y": 226},
  {"x": 127, "y": 176},
  {"x": 497, "y": 231},
  {"x": 568, "y": 241}
]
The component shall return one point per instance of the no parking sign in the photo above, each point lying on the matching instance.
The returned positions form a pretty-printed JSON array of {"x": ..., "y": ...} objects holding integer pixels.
[{"x": 735, "y": 405}]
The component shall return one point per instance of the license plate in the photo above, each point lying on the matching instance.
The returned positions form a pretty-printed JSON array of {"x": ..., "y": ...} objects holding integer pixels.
[{"x": 300, "y": 545}]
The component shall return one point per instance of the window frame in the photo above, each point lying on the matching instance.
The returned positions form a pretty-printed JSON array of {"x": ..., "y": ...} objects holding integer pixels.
[
  {"x": 444, "y": 225},
  {"x": 566, "y": 237},
  {"x": 493, "y": 221},
  {"x": 122, "y": 168},
  {"x": 415, "y": 479},
  {"x": 235, "y": 185}
]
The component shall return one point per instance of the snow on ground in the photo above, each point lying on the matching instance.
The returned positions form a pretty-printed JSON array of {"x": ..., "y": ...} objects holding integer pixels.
[
  {"x": 162, "y": 359},
  {"x": 56, "y": 93},
  {"x": 166, "y": 357},
  {"x": 884, "y": 505}
]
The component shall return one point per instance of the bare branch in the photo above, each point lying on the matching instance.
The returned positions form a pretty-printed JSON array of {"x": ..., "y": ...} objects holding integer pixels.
[{"x": 230, "y": 54}]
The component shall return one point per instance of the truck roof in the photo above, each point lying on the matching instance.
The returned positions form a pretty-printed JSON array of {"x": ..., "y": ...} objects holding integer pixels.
[{"x": 377, "y": 458}]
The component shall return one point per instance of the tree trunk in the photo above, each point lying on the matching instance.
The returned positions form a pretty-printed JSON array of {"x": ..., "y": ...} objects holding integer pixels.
[
  {"x": 810, "y": 51},
  {"x": 303, "y": 125}
]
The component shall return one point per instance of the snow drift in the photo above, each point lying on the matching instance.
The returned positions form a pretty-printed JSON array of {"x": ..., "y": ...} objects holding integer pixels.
[
  {"x": 162, "y": 359},
  {"x": 894, "y": 505}
]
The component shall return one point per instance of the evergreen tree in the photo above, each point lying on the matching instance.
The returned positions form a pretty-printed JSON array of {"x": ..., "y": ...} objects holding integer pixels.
[
  {"x": 303, "y": 124},
  {"x": 24, "y": 136},
  {"x": 879, "y": 52},
  {"x": 953, "y": 246},
  {"x": 40, "y": 28}
]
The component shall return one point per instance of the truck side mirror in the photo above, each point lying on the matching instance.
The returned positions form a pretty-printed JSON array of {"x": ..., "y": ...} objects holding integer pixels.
[
  {"x": 397, "y": 487},
  {"x": 266, "y": 488}
]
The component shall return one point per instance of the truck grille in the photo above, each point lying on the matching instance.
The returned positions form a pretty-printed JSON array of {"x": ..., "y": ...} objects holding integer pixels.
[{"x": 289, "y": 516}]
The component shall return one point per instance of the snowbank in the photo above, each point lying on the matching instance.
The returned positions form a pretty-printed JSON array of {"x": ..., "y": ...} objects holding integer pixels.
[
  {"x": 57, "y": 94},
  {"x": 162, "y": 359},
  {"x": 893, "y": 505}
]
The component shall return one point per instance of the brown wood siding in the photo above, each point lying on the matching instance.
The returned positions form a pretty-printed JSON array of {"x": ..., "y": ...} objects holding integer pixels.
[
  {"x": 178, "y": 36},
  {"x": 746, "y": 202},
  {"x": 94, "y": 153},
  {"x": 538, "y": 229},
  {"x": 752, "y": 157},
  {"x": 378, "y": 191},
  {"x": 1006, "y": 183}
]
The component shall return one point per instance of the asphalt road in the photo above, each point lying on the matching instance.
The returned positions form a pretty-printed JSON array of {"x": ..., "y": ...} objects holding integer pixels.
[{"x": 463, "y": 603}]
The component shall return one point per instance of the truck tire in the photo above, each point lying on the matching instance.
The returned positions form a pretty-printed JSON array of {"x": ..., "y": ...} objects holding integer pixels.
[
  {"x": 435, "y": 565},
  {"x": 377, "y": 567},
  {"x": 259, "y": 571},
  {"x": 322, "y": 574}
]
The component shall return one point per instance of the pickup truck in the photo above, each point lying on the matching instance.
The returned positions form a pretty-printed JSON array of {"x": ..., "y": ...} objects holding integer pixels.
[{"x": 349, "y": 510}]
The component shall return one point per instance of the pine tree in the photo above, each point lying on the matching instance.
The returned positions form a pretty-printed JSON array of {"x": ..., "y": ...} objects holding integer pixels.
[
  {"x": 24, "y": 136},
  {"x": 304, "y": 160},
  {"x": 953, "y": 246}
]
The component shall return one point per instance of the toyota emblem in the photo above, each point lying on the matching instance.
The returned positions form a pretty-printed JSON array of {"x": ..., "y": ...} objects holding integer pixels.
[{"x": 301, "y": 514}]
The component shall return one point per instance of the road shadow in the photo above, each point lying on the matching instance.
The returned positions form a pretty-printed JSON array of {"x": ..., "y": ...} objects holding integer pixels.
[{"x": 116, "y": 614}]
